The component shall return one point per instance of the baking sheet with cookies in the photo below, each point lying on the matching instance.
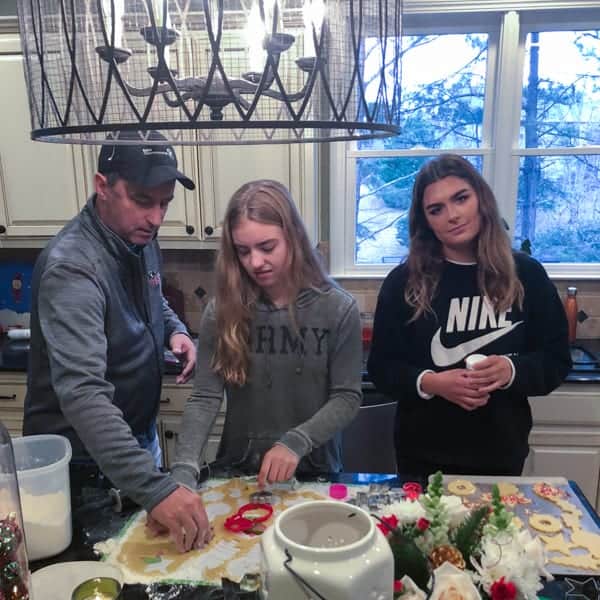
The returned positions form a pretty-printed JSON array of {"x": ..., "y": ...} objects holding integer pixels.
[{"x": 550, "y": 508}]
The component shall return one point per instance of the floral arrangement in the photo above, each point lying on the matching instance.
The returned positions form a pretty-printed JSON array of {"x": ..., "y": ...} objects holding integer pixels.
[{"x": 443, "y": 551}]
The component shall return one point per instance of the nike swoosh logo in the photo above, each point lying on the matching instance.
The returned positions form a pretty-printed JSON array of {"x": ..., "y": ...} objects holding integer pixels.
[{"x": 444, "y": 357}]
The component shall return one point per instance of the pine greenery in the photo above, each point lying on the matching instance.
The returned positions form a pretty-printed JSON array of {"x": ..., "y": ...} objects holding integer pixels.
[
  {"x": 466, "y": 538},
  {"x": 408, "y": 559}
]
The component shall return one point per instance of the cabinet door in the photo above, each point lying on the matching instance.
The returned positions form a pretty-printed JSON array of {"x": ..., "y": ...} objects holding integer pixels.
[
  {"x": 182, "y": 221},
  {"x": 13, "y": 388},
  {"x": 223, "y": 169},
  {"x": 170, "y": 426},
  {"x": 42, "y": 186},
  {"x": 579, "y": 464}
]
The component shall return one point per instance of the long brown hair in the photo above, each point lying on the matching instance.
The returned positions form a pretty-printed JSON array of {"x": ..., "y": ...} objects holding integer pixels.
[
  {"x": 496, "y": 270},
  {"x": 269, "y": 202}
]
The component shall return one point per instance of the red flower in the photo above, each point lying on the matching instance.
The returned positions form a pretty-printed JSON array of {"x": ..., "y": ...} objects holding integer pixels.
[
  {"x": 398, "y": 586},
  {"x": 390, "y": 522},
  {"x": 423, "y": 524},
  {"x": 412, "y": 490},
  {"x": 503, "y": 590}
]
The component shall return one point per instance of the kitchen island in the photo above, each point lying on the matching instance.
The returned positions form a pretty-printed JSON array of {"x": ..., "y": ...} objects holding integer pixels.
[{"x": 95, "y": 525}]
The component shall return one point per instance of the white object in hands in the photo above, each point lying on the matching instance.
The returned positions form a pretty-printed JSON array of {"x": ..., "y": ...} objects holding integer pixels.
[
  {"x": 18, "y": 334},
  {"x": 333, "y": 547},
  {"x": 473, "y": 359}
]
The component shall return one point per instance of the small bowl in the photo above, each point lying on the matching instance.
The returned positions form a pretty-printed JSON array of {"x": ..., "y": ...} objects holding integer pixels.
[{"x": 97, "y": 588}]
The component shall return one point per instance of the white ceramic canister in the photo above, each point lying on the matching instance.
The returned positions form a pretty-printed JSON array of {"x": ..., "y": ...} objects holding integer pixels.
[{"x": 333, "y": 547}]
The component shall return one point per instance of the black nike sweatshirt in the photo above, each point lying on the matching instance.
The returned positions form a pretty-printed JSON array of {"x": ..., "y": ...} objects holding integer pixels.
[{"x": 534, "y": 338}]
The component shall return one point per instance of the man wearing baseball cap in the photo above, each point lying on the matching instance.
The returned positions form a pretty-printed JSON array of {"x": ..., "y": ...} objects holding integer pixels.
[{"x": 99, "y": 325}]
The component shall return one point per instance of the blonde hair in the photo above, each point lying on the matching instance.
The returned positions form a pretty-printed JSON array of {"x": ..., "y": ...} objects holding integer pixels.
[
  {"x": 269, "y": 202},
  {"x": 496, "y": 270}
]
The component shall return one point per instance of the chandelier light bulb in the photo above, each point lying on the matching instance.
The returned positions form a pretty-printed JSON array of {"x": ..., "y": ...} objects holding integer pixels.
[{"x": 313, "y": 13}]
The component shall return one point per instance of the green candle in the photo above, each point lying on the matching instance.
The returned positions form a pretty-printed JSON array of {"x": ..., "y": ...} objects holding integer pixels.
[{"x": 98, "y": 588}]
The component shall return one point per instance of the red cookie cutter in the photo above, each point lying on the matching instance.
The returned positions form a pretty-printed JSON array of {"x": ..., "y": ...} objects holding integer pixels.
[{"x": 239, "y": 523}]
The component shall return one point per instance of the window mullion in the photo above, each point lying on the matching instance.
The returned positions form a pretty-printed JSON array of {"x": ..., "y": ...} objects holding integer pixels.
[{"x": 504, "y": 171}]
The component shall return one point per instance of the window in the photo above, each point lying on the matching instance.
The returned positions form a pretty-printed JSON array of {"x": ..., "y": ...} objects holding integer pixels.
[{"x": 516, "y": 93}]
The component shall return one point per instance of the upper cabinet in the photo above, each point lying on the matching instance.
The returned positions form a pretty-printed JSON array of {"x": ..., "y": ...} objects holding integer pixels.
[
  {"x": 41, "y": 185},
  {"x": 223, "y": 169},
  {"x": 44, "y": 185}
]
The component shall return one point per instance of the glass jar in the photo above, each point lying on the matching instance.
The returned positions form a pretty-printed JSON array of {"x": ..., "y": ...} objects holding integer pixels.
[
  {"x": 14, "y": 569},
  {"x": 366, "y": 320},
  {"x": 571, "y": 312}
]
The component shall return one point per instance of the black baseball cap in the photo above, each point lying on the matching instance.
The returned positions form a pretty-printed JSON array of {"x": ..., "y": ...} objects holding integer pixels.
[{"x": 150, "y": 163}]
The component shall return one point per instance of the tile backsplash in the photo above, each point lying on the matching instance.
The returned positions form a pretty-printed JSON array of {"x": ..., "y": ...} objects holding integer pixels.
[
  {"x": 188, "y": 270},
  {"x": 192, "y": 268},
  {"x": 588, "y": 300}
]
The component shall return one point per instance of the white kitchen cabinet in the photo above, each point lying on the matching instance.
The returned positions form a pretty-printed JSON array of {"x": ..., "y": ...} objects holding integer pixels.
[
  {"x": 169, "y": 428},
  {"x": 565, "y": 439},
  {"x": 13, "y": 387},
  {"x": 172, "y": 403},
  {"x": 223, "y": 169},
  {"x": 42, "y": 186}
]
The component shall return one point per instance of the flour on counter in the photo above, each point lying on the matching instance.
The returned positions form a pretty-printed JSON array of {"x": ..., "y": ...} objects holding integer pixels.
[{"x": 47, "y": 521}]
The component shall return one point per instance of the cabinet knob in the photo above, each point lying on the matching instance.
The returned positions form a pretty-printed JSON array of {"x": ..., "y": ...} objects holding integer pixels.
[
  {"x": 189, "y": 229},
  {"x": 170, "y": 434},
  {"x": 208, "y": 230},
  {"x": 2, "y": 229}
]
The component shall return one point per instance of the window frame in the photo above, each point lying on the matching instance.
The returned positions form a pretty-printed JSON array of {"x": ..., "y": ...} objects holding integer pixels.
[{"x": 507, "y": 23}]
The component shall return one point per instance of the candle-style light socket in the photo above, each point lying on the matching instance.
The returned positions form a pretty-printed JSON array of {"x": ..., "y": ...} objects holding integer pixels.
[{"x": 97, "y": 588}]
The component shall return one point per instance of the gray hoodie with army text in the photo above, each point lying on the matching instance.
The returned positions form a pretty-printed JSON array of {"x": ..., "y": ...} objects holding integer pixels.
[{"x": 303, "y": 387}]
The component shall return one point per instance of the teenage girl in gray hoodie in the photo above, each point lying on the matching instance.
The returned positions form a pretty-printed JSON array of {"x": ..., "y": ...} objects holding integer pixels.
[{"x": 282, "y": 340}]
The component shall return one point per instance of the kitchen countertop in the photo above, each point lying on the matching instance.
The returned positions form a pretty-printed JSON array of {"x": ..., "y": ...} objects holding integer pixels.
[
  {"x": 579, "y": 374},
  {"x": 97, "y": 525}
]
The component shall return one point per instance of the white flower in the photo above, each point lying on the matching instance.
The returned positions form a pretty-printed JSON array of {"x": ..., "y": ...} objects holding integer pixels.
[
  {"x": 450, "y": 583},
  {"x": 516, "y": 557},
  {"x": 406, "y": 511},
  {"x": 457, "y": 511},
  {"x": 410, "y": 591}
]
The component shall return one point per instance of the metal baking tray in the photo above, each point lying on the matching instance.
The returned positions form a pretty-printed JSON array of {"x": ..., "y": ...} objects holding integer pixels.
[{"x": 589, "y": 521}]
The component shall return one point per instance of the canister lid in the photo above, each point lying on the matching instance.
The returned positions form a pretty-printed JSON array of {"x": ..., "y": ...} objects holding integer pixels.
[{"x": 572, "y": 291}]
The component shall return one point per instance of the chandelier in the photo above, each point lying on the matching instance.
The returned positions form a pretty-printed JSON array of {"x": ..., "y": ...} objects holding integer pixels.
[{"x": 206, "y": 72}]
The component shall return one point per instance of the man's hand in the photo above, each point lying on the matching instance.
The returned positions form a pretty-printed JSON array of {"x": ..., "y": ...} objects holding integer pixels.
[
  {"x": 185, "y": 350},
  {"x": 455, "y": 386},
  {"x": 491, "y": 374},
  {"x": 278, "y": 464},
  {"x": 182, "y": 515}
]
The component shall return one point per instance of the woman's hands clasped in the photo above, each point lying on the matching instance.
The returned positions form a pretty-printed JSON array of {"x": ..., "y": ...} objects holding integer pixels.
[
  {"x": 469, "y": 389},
  {"x": 491, "y": 374}
]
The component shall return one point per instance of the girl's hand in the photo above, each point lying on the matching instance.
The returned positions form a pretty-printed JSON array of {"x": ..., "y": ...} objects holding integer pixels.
[
  {"x": 491, "y": 374},
  {"x": 278, "y": 464},
  {"x": 455, "y": 386}
]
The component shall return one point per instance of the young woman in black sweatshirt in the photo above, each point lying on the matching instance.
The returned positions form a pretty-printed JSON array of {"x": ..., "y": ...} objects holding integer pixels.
[{"x": 462, "y": 290}]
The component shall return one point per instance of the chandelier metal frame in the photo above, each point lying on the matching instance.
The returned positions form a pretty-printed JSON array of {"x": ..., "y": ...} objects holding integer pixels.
[{"x": 333, "y": 76}]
